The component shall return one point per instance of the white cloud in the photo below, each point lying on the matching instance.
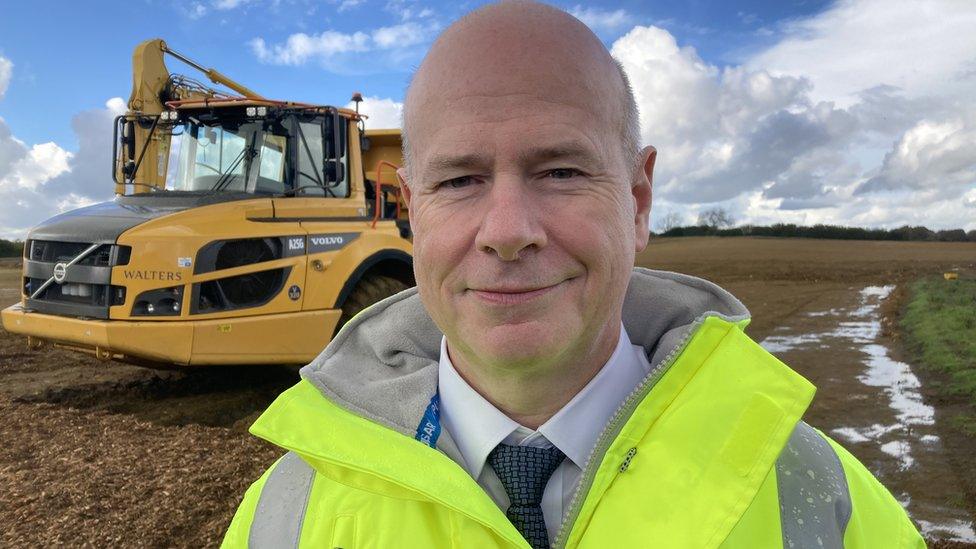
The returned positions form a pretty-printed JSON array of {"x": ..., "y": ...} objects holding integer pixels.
[
  {"x": 932, "y": 154},
  {"x": 599, "y": 19},
  {"x": 116, "y": 106},
  {"x": 407, "y": 9},
  {"x": 197, "y": 10},
  {"x": 383, "y": 113},
  {"x": 301, "y": 47},
  {"x": 74, "y": 201},
  {"x": 11, "y": 149},
  {"x": 41, "y": 163},
  {"x": 39, "y": 181},
  {"x": 229, "y": 4},
  {"x": 719, "y": 132},
  {"x": 347, "y": 5},
  {"x": 402, "y": 35},
  {"x": 328, "y": 46},
  {"x": 923, "y": 48},
  {"x": 6, "y": 72},
  {"x": 765, "y": 144},
  {"x": 23, "y": 170}
]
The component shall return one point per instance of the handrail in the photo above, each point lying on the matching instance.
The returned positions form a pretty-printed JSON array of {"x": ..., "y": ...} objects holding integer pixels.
[{"x": 379, "y": 190}]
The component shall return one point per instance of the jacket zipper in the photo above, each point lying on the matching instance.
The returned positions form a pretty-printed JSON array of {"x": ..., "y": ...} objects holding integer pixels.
[{"x": 609, "y": 433}]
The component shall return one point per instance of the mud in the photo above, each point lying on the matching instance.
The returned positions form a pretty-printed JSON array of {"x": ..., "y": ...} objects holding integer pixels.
[
  {"x": 105, "y": 454},
  {"x": 873, "y": 404},
  {"x": 100, "y": 454}
]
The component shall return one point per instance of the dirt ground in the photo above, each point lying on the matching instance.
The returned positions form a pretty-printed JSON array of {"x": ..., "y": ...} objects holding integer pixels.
[{"x": 105, "y": 454}]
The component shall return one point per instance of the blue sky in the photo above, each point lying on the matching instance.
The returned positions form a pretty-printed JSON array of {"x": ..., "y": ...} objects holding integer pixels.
[
  {"x": 851, "y": 112},
  {"x": 77, "y": 60}
]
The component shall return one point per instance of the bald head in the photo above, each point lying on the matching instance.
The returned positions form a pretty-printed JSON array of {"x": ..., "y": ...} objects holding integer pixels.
[{"x": 520, "y": 48}]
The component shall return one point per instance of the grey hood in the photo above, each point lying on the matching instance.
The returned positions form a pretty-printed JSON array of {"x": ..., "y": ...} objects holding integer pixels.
[
  {"x": 106, "y": 221},
  {"x": 383, "y": 363}
]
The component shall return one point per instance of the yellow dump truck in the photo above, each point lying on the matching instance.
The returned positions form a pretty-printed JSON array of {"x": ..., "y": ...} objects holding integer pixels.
[{"x": 244, "y": 230}]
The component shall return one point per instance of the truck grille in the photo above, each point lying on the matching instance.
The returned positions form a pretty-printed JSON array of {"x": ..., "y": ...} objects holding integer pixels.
[
  {"x": 85, "y": 289},
  {"x": 54, "y": 252}
]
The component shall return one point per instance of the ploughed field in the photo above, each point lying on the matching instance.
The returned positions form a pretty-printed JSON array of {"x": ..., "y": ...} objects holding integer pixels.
[{"x": 106, "y": 454}]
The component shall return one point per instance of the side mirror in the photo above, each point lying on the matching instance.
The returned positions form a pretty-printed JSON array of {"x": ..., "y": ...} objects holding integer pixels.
[
  {"x": 129, "y": 140},
  {"x": 334, "y": 172}
]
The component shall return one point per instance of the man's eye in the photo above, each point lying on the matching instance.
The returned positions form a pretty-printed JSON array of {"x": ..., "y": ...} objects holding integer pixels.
[
  {"x": 562, "y": 173},
  {"x": 457, "y": 182}
]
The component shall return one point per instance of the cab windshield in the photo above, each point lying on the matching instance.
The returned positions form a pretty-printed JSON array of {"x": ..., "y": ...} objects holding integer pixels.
[{"x": 229, "y": 157}]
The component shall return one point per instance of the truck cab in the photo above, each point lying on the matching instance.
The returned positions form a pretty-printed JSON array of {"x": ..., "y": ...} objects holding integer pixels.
[{"x": 244, "y": 230}]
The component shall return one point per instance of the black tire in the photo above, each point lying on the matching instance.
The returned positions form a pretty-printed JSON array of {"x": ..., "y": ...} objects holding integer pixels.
[{"x": 370, "y": 289}]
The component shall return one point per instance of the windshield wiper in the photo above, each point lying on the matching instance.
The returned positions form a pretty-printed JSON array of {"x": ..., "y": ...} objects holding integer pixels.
[{"x": 225, "y": 177}]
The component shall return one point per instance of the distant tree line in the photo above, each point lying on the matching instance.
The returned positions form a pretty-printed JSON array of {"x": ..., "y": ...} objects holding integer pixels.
[
  {"x": 718, "y": 222},
  {"x": 826, "y": 231},
  {"x": 13, "y": 248}
]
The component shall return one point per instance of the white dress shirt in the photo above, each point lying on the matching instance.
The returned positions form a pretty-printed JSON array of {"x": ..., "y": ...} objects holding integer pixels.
[{"x": 477, "y": 426}]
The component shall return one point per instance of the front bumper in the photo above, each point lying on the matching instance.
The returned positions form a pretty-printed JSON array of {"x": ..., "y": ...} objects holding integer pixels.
[{"x": 288, "y": 338}]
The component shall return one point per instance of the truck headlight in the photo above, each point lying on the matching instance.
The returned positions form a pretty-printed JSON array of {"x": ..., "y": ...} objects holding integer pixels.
[{"x": 161, "y": 302}]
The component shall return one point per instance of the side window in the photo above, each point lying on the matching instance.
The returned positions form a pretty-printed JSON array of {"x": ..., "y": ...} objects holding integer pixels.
[
  {"x": 231, "y": 146},
  {"x": 340, "y": 188},
  {"x": 271, "y": 174},
  {"x": 309, "y": 155}
]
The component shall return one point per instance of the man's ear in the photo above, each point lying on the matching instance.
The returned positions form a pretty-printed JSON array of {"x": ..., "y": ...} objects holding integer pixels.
[
  {"x": 642, "y": 191},
  {"x": 404, "y": 185}
]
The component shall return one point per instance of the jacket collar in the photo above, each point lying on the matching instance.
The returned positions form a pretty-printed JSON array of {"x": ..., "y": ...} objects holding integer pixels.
[
  {"x": 382, "y": 364},
  {"x": 707, "y": 439},
  {"x": 361, "y": 400}
]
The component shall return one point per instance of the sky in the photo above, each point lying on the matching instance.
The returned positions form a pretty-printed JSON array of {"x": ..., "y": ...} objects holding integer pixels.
[{"x": 852, "y": 112}]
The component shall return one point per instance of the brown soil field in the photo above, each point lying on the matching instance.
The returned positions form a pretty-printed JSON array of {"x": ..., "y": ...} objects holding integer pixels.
[{"x": 106, "y": 454}]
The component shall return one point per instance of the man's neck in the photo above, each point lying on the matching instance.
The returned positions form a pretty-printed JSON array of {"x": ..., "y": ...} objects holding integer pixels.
[{"x": 530, "y": 396}]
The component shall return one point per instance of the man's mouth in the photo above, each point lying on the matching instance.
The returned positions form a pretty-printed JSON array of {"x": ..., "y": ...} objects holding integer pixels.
[{"x": 513, "y": 295}]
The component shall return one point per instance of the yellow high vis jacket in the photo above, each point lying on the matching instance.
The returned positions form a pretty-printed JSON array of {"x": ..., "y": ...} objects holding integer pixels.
[{"x": 708, "y": 450}]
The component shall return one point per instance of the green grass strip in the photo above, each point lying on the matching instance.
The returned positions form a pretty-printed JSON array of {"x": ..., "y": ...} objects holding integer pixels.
[{"x": 940, "y": 329}]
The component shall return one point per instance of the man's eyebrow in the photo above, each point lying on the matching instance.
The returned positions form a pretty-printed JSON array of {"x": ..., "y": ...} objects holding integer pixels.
[
  {"x": 528, "y": 157},
  {"x": 576, "y": 151},
  {"x": 446, "y": 162}
]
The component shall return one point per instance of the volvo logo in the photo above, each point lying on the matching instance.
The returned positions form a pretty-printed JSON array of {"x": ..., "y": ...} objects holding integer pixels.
[
  {"x": 327, "y": 240},
  {"x": 60, "y": 271},
  {"x": 294, "y": 292}
]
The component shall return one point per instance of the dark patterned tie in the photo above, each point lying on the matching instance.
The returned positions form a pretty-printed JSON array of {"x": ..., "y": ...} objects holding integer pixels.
[{"x": 524, "y": 472}]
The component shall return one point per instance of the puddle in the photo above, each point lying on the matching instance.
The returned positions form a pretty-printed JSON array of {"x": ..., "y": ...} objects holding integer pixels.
[
  {"x": 831, "y": 312},
  {"x": 957, "y": 529},
  {"x": 870, "y": 401}
]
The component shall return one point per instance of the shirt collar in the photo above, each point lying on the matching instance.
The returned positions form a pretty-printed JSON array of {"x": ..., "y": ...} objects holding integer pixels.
[
  {"x": 477, "y": 426},
  {"x": 474, "y": 423}
]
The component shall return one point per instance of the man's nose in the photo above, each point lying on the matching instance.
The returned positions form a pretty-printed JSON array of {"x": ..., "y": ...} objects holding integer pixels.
[{"x": 510, "y": 221}]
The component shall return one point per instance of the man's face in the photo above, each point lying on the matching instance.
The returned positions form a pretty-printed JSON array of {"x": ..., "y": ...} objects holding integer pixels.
[{"x": 526, "y": 221}]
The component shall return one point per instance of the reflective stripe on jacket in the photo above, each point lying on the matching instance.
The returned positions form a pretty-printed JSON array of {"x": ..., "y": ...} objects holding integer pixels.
[{"x": 711, "y": 454}]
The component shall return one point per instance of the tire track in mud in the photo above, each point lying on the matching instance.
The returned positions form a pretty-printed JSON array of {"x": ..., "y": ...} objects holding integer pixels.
[{"x": 874, "y": 406}]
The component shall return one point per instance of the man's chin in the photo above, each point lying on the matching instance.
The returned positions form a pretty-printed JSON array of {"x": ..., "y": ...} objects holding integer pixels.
[{"x": 518, "y": 345}]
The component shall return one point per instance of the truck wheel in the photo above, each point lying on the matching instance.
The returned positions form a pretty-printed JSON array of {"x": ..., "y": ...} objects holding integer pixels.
[{"x": 370, "y": 289}]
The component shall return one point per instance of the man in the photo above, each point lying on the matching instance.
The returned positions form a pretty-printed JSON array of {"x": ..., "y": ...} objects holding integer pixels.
[{"x": 535, "y": 390}]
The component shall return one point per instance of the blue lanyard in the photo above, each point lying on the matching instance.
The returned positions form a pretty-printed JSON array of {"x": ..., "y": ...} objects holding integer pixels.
[{"x": 430, "y": 424}]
